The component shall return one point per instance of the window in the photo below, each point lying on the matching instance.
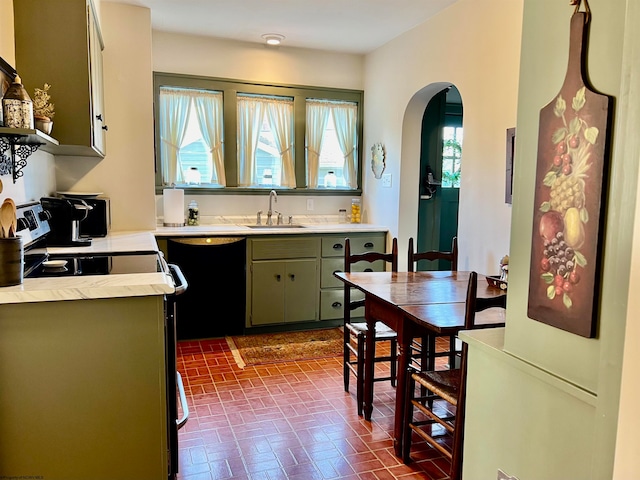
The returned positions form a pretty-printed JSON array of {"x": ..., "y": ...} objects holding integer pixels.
[
  {"x": 242, "y": 136},
  {"x": 191, "y": 137},
  {"x": 331, "y": 144},
  {"x": 265, "y": 141},
  {"x": 451, "y": 153}
]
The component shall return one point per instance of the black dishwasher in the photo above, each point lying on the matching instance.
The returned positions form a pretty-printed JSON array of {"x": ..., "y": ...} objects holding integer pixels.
[{"x": 214, "y": 304}]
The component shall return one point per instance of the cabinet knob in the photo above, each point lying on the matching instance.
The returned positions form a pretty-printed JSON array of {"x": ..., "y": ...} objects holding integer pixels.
[
  {"x": 105, "y": 128},
  {"x": 292, "y": 276},
  {"x": 99, "y": 116},
  {"x": 278, "y": 278}
]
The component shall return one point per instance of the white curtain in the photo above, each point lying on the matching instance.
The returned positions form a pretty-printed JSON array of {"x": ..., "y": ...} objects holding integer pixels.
[
  {"x": 317, "y": 116},
  {"x": 209, "y": 109},
  {"x": 280, "y": 114},
  {"x": 344, "y": 120},
  {"x": 175, "y": 105},
  {"x": 250, "y": 115}
]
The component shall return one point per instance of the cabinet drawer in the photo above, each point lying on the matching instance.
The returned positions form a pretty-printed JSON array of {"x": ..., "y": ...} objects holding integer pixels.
[
  {"x": 336, "y": 264},
  {"x": 331, "y": 304},
  {"x": 282, "y": 248},
  {"x": 334, "y": 246}
]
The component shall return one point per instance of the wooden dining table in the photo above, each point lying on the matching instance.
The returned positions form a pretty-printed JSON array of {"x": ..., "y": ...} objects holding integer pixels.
[{"x": 414, "y": 304}]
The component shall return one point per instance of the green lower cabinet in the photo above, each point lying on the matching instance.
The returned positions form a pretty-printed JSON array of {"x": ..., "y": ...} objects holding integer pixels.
[{"x": 287, "y": 292}]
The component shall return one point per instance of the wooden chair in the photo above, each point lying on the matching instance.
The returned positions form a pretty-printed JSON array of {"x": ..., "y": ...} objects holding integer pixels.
[
  {"x": 355, "y": 333},
  {"x": 428, "y": 355},
  {"x": 441, "y": 410},
  {"x": 432, "y": 255}
]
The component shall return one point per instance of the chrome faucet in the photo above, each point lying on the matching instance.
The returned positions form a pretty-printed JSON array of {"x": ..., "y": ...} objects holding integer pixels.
[{"x": 272, "y": 196}]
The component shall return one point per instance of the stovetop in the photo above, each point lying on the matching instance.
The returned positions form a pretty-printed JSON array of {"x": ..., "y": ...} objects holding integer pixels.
[{"x": 33, "y": 227}]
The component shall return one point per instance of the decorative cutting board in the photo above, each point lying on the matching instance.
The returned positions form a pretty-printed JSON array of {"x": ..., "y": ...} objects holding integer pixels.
[{"x": 573, "y": 146}]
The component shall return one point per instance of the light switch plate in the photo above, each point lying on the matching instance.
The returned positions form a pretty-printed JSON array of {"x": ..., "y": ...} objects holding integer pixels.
[
  {"x": 310, "y": 204},
  {"x": 386, "y": 180}
]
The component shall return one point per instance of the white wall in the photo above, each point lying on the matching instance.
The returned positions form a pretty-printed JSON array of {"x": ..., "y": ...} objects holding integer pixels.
[{"x": 473, "y": 44}]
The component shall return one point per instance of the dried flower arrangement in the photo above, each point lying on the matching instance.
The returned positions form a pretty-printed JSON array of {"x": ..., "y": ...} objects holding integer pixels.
[{"x": 42, "y": 107}]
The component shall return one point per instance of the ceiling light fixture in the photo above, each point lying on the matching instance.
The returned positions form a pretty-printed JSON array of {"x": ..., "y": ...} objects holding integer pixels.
[{"x": 273, "y": 38}]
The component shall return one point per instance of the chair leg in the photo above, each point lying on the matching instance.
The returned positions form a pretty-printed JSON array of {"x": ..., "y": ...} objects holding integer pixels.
[
  {"x": 346, "y": 359},
  {"x": 394, "y": 361},
  {"x": 452, "y": 351},
  {"x": 408, "y": 417},
  {"x": 360, "y": 370}
]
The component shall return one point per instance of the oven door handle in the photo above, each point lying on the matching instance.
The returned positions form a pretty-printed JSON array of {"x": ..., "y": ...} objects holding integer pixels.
[
  {"x": 183, "y": 402},
  {"x": 178, "y": 279}
]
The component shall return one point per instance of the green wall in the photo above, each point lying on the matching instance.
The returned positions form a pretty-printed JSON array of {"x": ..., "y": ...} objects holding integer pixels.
[{"x": 549, "y": 408}]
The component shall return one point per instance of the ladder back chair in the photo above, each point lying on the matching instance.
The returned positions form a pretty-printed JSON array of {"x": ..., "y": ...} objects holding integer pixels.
[
  {"x": 440, "y": 412},
  {"x": 355, "y": 333},
  {"x": 426, "y": 348}
]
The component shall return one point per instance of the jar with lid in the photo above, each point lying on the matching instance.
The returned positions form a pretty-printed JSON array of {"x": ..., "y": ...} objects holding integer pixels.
[
  {"x": 193, "y": 215},
  {"x": 342, "y": 215},
  {"x": 192, "y": 176},
  {"x": 356, "y": 209},
  {"x": 17, "y": 107},
  {"x": 330, "y": 180}
]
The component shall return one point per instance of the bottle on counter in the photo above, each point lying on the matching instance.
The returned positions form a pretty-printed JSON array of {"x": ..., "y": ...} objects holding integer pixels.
[
  {"x": 193, "y": 216},
  {"x": 356, "y": 209}
]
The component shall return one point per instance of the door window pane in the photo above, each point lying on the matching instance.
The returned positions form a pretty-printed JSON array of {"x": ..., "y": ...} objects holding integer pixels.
[{"x": 451, "y": 154}]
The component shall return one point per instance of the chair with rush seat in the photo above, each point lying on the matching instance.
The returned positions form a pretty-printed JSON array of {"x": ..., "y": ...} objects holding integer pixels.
[
  {"x": 440, "y": 416},
  {"x": 355, "y": 333},
  {"x": 428, "y": 354}
]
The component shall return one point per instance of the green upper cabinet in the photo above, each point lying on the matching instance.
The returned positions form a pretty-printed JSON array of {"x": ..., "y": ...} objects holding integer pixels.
[{"x": 59, "y": 42}]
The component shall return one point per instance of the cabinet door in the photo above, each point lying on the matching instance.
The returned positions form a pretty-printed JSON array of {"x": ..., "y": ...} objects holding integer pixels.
[
  {"x": 301, "y": 291},
  {"x": 98, "y": 128},
  {"x": 54, "y": 44},
  {"x": 267, "y": 293}
]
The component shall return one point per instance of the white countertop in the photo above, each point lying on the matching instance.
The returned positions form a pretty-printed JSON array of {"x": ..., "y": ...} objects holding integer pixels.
[
  {"x": 51, "y": 289},
  {"x": 246, "y": 230}
]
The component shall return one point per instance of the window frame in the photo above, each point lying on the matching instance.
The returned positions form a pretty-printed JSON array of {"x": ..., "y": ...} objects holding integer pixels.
[{"x": 230, "y": 88}]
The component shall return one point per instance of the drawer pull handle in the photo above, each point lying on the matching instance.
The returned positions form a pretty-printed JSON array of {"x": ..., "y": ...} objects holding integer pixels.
[
  {"x": 368, "y": 270},
  {"x": 337, "y": 246},
  {"x": 336, "y": 304},
  {"x": 337, "y": 271},
  {"x": 368, "y": 245},
  {"x": 278, "y": 277},
  {"x": 292, "y": 276}
]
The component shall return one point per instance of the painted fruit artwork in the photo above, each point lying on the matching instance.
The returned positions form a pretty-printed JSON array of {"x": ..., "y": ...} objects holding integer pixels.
[{"x": 566, "y": 237}]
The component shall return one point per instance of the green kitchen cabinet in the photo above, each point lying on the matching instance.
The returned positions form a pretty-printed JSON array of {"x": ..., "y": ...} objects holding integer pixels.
[
  {"x": 332, "y": 260},
  {"x": 284, "y": 291},
  {"x": 59, "y": 42},
  {"x": 282, "y": 280}
]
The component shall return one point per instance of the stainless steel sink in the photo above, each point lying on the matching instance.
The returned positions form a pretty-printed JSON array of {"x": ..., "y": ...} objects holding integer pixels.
[{"x": 284, "y": 225}]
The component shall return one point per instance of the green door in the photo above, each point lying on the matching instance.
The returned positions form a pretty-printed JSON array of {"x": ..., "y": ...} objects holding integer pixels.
[{"x": 439, "y": 184}]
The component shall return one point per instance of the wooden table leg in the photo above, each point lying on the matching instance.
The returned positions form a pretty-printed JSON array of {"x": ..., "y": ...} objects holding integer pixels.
[
  {"x": 369, "y": 357},
  {"x": 405, "y": 336}
]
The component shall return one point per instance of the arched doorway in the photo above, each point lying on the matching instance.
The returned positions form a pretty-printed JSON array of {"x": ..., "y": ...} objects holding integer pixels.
[{"x": 440, "y": 155}]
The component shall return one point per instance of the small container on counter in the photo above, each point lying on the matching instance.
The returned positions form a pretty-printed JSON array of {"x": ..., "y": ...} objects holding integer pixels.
[
  {"x": 356, "y": 209},
  {"x": 342, "y": 215},
  {"x": 193, "y": 216}
]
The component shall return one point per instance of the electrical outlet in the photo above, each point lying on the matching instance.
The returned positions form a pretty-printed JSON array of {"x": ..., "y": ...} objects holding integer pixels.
[
  {"x": 310, "y": 204},
  {"x": 386, "y": 180}
]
